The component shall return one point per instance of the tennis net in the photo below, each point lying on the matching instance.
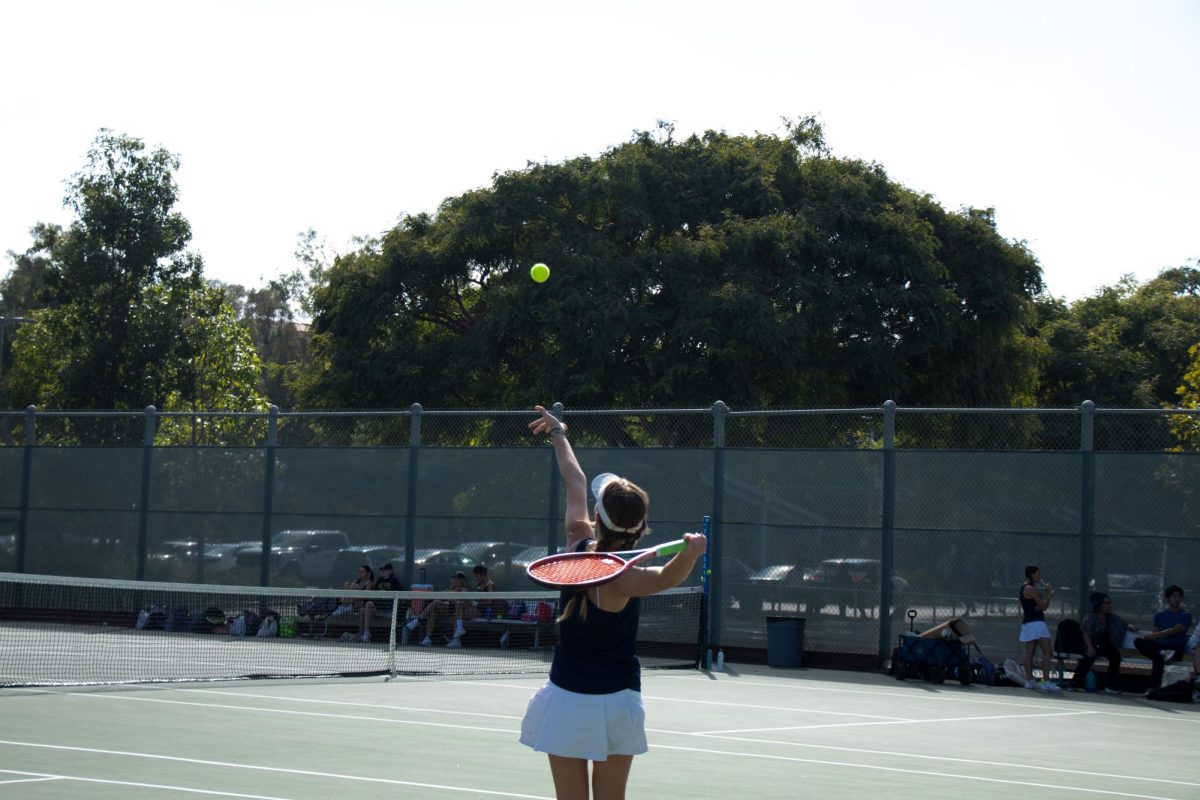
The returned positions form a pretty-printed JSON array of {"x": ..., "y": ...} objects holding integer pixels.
[{"x": 62, "y": 631}]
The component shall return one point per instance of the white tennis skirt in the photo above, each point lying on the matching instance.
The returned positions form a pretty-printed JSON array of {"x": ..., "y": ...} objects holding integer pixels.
[
  {"x": 589, "y": 726},
  {"x": 1032, "y": 631}
]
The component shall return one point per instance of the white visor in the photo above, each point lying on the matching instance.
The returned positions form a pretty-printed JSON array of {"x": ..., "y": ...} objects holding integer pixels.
[{"x": 599, "y": 484}]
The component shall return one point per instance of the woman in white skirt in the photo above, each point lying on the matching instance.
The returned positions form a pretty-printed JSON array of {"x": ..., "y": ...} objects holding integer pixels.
[
  {"x": 591, "y": 708},
  {"x": 1034, "y": 631}
]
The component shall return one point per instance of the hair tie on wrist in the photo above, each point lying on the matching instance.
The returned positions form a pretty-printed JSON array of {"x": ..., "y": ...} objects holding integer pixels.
[{"x": 562, "y": 431}]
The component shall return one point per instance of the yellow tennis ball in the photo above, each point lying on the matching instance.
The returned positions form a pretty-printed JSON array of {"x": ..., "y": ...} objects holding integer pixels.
[{"x": 539, "y": 272}]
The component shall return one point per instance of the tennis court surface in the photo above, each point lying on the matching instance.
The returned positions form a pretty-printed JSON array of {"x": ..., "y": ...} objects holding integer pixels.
[{"x": 748, "y": 732}]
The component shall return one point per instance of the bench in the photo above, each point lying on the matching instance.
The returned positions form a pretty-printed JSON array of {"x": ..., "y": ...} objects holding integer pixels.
[{"x": 1069, "y": 647}]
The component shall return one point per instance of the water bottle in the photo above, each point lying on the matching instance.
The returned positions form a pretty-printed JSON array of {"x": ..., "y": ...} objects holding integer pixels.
[
  {"x": 1089, "y": 682},
  {"x": 423, "y": 575},
  {"x": 720, "y": 661}
]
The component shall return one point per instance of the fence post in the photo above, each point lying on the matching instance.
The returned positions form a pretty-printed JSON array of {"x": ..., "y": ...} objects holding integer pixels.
[
  {"x": 886, "y": 543},
  {"x": 264, "y": 563},
  {"x": 410, "y": 518},
  {"x": 716, "y": 606},
  {"x": 552, "y": 530},
  {"x": 148, "y": 429},
  {"x": 1087, "y": 500},
  {"x": 26, "y": 476}
]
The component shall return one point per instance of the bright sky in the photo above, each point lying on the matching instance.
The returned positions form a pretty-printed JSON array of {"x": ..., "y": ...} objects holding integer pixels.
[{"x": 1078, "y": 121}]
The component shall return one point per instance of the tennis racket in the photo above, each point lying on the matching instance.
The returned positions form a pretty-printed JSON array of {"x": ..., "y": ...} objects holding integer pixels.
[{"x": 588, "y": 568}]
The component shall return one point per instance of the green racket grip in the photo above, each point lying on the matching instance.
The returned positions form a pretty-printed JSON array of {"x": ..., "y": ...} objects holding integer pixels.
[
  {"x": 671, "y": 548},
  {"x": 664, "y": 549}
]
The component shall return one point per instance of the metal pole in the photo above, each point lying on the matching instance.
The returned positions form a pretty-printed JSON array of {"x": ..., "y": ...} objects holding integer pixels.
[
  {"x": 144, "y": 511},
  {"x": 26, "y": 475},
  {"x": 410, "y": 520},
  {"x": 264, "y": 563},
  {"x": 716, "y": 604},
  {"x": 1087, "y": 501},
  {"x": 886, "y": 539},
  {"x": 553, "y": 539}
]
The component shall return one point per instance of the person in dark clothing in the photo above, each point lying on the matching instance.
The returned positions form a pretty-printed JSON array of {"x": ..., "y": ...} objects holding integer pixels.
[
  {"x": 1169, "y": 637},
  {"x": 591, "y": 708},
  {"x": 1103, "y": 632}
]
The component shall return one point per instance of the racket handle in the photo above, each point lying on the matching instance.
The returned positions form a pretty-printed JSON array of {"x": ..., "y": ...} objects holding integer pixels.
[{"x": 671, "y": 548}]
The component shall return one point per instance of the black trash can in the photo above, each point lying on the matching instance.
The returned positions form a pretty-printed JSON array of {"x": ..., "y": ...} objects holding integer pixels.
[{"x": 785, "y": 641}]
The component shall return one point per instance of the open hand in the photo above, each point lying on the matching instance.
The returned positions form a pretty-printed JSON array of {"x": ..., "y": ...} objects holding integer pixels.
[{"x": 546, "y": 422}]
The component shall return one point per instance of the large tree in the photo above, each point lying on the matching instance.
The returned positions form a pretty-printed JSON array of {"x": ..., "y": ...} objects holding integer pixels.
[
  {"x": 1125, "y": 346},
  {"x": 127, "y": 319},
  {"x": 754, "y": 269}
]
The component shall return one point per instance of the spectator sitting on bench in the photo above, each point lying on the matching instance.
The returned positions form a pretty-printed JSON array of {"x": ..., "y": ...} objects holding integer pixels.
[
  {"x": 386, "y": 582},
  {"x": 364, "y": 580},
  {"x": 1169, "y": 638},
  {"x": 465, "y": 610},
  {"x": 436, "y": 609},
  {"x": 1103, "y": 633}
]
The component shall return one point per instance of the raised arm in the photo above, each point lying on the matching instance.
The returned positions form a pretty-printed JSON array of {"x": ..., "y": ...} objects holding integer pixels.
[{"x": 578, "y": 524}]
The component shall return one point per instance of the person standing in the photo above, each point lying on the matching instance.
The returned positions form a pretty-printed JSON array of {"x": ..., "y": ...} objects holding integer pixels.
[
  {"x": 590, "y": 711},
  {"x": 1034, "y": 632}
]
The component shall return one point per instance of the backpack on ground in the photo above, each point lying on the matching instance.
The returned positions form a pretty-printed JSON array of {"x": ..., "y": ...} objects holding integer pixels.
[{"x": 1177, "y": 692}]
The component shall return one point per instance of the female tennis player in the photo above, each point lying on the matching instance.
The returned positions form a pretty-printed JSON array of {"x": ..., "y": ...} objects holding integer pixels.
[
  {"x": 591, "y": 708},
  {"x": 1034, "y": 632}
]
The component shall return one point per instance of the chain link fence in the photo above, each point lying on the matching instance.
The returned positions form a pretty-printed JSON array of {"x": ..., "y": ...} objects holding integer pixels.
[{"x": 810, "y": 508}]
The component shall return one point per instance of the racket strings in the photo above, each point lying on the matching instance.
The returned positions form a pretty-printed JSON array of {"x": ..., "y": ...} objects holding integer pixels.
[{"x": 579, "y": 569}]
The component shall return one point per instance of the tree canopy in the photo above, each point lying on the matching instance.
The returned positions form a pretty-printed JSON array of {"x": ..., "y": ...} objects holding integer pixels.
[
  {"x": 1126, "y": 346},
  {"x": 754, "y": 269},
  {"x": 125, "y": 318}
]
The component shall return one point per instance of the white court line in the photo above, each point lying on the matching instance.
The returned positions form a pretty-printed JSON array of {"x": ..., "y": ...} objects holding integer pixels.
[
  {"x": 861, "y": 751},
  {"x": 42, "y": 776},
  {"x": 503, "y": 716},
  {"x": 255, "y": 767},
  {"x": 382, "y": 706},
  {"x": 926, "y": 757},
  {"x": 289, "y": 711},
  {"x": 911, "y": 772},
  {"x": 39, "y": 779},
  {"x": 898, "y": 722},
  {"x": 1038, "y": 701}
]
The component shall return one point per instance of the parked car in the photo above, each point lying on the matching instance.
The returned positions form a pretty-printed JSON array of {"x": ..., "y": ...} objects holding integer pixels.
[
  {"x": 491, "y": 553},
  {"x": 437, "y": 565},
  {"x": 847, "y": 583},
  {"x": 345, "y": 566},
  {"x": 222, "y": 556},
  {"x": 179, "y": 551},
  {"x": 305, "y": 556}
]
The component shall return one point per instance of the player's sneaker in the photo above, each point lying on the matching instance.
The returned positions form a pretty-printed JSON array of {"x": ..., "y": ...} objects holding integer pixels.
[
  {"x": 413, "y": 623},
  {"x": 427, "y": 642},
  {"x": 454, "y": 642},
  {"x": 1049, "y": 686},
  {"x": 504, "y": 639},
  {"x": 1107, "y": 690}
]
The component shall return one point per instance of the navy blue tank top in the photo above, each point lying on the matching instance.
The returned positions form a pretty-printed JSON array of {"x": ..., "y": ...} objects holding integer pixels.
[
  {"x": 1029, "y": 610},
  {"x": 597, "y": 655}
]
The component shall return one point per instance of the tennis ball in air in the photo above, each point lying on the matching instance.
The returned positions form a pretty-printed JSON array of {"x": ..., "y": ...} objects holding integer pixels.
[{"x": 539, "y": 272}]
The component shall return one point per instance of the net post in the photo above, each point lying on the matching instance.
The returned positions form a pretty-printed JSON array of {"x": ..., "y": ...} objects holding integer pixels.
[
  {"x": 148, "y": 430},
  {"x": 702, "y": 657},
  {"x": 392, "y": 638}
]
